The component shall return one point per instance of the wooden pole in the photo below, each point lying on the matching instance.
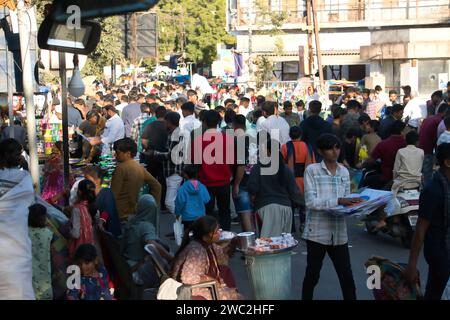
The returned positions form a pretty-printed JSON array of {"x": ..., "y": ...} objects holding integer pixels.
[{"x": 310, "y": 38}]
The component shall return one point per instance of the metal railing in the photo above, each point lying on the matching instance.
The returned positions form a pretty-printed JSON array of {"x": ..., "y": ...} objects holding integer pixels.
[{"x": 345, "y": 11}]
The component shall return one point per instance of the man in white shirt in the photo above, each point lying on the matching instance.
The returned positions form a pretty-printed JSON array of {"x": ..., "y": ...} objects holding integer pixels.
[
  {"x": 114, "y": 130},
  {"x": 244, "y": 107},
  {"x": 199, "y": 82},
  {"x": 415, "y": 110},
  {"x": 189, "y": 121},
  {"x": 123, "y": 104},
  {"x": 275, "y": 125}
]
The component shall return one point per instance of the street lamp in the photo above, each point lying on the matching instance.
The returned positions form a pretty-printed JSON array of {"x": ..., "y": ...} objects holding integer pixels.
[{"x": 76, "y": 85}]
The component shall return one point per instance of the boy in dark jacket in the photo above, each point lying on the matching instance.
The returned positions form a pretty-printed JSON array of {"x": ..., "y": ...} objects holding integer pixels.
[{"x": 314, "y": 126}]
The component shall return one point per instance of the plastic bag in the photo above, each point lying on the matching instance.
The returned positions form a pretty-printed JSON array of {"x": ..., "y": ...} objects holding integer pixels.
[
  {"x": 178, "y": 231},
  {"x": 393, "y": 207}
]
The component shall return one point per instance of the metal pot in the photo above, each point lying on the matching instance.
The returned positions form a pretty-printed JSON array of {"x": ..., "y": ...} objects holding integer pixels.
[{"x": 245, "y": 240}]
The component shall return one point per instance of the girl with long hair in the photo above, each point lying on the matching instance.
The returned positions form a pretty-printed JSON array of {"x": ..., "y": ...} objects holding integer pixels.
[{"x": 83, "y": 214}]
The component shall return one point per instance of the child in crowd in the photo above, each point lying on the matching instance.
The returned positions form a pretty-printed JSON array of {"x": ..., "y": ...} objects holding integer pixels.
[
  {"x": 191, "y": 197},
  {"x": 94, "y": 278},
  {"x": 371, "y": 138},
  {"x": 41, "y": 238},
  {"x": 82, "y": 216}
]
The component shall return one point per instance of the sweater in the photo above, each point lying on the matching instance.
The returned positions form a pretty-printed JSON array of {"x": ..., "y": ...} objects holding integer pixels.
[{"x": 191, "y": 200}]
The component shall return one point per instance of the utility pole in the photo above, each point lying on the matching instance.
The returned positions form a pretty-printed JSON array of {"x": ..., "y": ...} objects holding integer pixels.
[
  {"x": 250, "y": 44},
  {"x": 9, "y": 66},
  {"x": 310, "y": 37},
  {"x": 316, "y": 33},
  {"x": 133, "y": 38},
  {"x": 27, "y": 79},
  {"x": 183, "y": 31},
  {"x": 65, "y": 122}
]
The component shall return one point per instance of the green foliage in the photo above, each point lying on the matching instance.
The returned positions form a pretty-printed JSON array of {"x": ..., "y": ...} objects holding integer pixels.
[
  {"x": 264, "y": 70},
  {"x": 193, "y": 25},
  {"x": 109, "y": 47}
]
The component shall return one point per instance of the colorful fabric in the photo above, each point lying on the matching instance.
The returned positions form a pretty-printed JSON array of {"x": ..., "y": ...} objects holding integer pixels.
[
  {"x": 393, "y": 285},
  {"x": 92, "y": 288},
  {"x": 196, "y": 262},
  {"x": 86, "y": 232}
]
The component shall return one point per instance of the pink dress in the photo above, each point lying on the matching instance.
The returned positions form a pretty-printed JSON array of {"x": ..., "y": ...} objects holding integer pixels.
[
  {"x": 54, "y": 180},
  {"x": 197, "y": 261}
]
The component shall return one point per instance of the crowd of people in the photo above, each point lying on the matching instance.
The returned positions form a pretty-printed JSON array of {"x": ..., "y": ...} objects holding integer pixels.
[{"x": 205, "y": 155}]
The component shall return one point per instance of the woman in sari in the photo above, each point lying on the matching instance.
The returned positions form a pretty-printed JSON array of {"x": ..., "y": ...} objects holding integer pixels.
[
  {"x": 53, "y": 190},
  {"x": 139, "y": 231},
  {"x": 200, "y": 259}
]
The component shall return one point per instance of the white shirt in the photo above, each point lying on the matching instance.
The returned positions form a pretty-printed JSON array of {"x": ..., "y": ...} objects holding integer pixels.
[
  {"x": 259, "y": 122},
  {"x": 244, "y": 111},
  {"x": 201, "y": 83},
  {"x": 114, "y": 130},
  {"x": 121, "y": 106},
  {"x": 189, "y": 123},
  {"x": 416, "y": 110},
  {"x": 277, "y": 123}
]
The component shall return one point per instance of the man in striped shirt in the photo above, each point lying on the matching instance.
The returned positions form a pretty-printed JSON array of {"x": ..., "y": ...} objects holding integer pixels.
[{"x": 327, "y": 184}]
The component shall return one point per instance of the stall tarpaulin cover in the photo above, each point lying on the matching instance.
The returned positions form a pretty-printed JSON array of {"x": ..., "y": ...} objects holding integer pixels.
[{"x": 16, "y": 195}]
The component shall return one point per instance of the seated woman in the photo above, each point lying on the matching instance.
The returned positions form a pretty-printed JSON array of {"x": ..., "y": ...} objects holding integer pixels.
[
  {"x": 138, "y": 232},
  {"x": 199, "y": 259}
]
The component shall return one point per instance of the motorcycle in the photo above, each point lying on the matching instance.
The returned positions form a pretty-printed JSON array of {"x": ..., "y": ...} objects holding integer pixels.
[{"x": 402, "y": 213}]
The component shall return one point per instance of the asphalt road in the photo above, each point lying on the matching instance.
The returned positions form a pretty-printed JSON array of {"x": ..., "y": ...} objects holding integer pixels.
[{"x": 361, "y": 245}]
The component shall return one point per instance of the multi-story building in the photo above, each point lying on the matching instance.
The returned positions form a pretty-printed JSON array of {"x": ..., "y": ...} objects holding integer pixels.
[{"x": 405, "y": 41}]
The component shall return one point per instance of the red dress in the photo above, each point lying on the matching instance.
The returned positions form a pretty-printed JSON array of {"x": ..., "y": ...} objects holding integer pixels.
[{"x": 86, "y": 232}]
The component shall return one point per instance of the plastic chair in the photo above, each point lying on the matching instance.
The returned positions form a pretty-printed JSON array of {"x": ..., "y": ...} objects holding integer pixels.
[{"x": 159, "y": 263}]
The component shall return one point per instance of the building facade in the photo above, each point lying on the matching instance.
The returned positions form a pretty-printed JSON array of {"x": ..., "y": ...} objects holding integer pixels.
[{"x": 397, "y": 42}]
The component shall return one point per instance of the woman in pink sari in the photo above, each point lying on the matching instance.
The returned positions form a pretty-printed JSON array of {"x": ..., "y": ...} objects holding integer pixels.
[
  {"x": 53, "y": 189},
  {"x": 200, "y": 259},
  {"x": 82, "y": 217}
]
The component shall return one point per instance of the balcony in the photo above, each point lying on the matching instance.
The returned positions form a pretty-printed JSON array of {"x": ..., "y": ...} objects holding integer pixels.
[{"x": 339, "y": 13}]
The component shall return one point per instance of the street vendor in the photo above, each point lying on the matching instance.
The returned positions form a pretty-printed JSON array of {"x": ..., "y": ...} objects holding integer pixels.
[
  {"x": 200, "y": 259},
  {"x": 114, "y": 130}
]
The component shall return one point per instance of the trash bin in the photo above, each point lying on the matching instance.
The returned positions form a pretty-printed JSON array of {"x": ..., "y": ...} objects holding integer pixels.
[{"x": 270, "y": 274}]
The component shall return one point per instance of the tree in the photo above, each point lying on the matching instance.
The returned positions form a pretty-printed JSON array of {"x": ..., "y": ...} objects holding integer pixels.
[
  {"x": 195, "y": 26},
  {"x": 109, "y": 47}
]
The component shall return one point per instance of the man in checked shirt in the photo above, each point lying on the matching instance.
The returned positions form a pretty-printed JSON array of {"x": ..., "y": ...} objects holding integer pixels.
[{"x": 327, "y": 184}]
